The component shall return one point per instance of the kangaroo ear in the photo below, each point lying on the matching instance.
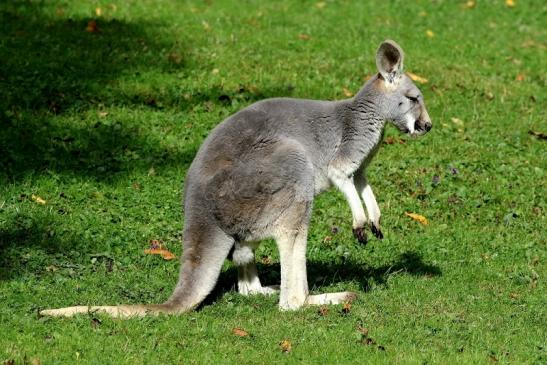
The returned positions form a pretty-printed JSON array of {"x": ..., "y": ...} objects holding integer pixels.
[{"x": 389, "y": 60}]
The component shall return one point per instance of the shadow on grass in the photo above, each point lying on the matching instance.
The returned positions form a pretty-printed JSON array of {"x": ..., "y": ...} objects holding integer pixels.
[
  {"x": 51, "y": 68},
  {"x": 53, "y": 72},
  {"x": 325, "y": 274}
]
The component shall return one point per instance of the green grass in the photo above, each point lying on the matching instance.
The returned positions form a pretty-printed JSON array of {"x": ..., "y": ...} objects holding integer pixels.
[{"x": 103, "y": 126}]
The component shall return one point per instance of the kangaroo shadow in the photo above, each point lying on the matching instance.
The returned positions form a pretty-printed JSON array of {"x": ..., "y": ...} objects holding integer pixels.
[{"x": 325, "y": 274}]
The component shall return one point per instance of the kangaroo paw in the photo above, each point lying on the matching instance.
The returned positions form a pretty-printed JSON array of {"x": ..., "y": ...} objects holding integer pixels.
[
  {"x": 360, "y": 234},
  {"x": 376, "y": 231}
]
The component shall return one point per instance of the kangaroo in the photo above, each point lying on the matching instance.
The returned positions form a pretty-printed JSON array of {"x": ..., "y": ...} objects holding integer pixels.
[{"x": 256, "y": 175}]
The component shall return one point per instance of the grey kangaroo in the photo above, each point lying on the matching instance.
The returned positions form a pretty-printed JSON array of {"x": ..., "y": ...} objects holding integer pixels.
[{"x": 256, "y": 175}]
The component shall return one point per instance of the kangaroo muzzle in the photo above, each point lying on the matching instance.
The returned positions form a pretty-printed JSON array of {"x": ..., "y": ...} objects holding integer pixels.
[{"x": 422, "y": 126}]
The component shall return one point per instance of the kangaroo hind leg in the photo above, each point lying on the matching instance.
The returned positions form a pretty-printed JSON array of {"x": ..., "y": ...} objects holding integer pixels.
[{"x": 248, "y": 282}]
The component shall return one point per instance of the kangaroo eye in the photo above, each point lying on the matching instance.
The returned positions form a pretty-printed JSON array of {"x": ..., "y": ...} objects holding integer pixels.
[{"x": 413, "y": 99}]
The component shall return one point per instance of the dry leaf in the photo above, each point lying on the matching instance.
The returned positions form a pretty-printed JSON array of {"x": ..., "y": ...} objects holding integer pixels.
[
  {"x": 520, "y": 77},
  {"x": 92, "y": 27},
  {"x": 285, "y": 346},
  {"x": 98, "y": 11},
  {"x": 417, "y": 217},
  {"x": 321, "y": 4},
  {"x": 457, "y": 121},
  {"x": 35, "y": 361},
  {"x": 162, "y": 252},
  {"x": 429, "y": 33},
  {"x": 304, "y": 36},
  {"x": 323, "y": 310},
  {"x": 510, "y": 3},
  {"x": 103, "y": 114},
  {"x": 363, "y": 330},
  {"x": 346, "y": 308},
  {"x": 393, "y": 140},
  {"x": 347, "y": 93},
  {"x": 418, "y": 79},
  {"x": 240, "y": 332},
  {"x": 470, "y": 4},
  {"x": 37, "y": 199},
  {"x": 215, "y": 71},
  {"x": 52, "y": 268}
]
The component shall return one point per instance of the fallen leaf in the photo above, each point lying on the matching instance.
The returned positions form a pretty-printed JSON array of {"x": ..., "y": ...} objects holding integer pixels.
[
  {"x": 285, "y": 346},
  {"x": 37, "y": 199},
  {"x": 346, "y": 308},
  {"x": 52, "y": 268},
  {"x": 538, "y": 135},
  {"x": 457, "y": 121},
  {"x": 103, "y": 114},
  {"x": 327, "y": 239},
  {"x": 175, "y": 57},
  {"x": 470, "y": 4},
  {"x": 35, "y": 361},
  {"x": 323, "y": 310},
  {"x": 162, "y": 252},
  {"x": 151, "y": 172},
  {"x": 429, "y": 33},
  {"x": 92, "y": 27},
  {"x": 347, "y": 93},
  {"x": 240, "y": 332},
  {"x": 510, "y": 3},
  {"x": 363, "y": 330},
  {"x": 215, "y": 71},
  {"x": 417, "y": 217},
  {"x": 520, "y": 77},
  {"x": 418, "y": 79},
  {"x": 98, "y": 11},
  {"x": 155, "y": 245},
  {"x": 514, "y": 296},
  {"x": 321, "y": 4},
  {"x": 304, "y": 36},
  {"x": 393, "y": 140}
]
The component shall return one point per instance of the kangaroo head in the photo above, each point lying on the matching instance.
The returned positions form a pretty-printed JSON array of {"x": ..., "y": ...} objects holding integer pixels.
[{"x": 401, "y": 102}]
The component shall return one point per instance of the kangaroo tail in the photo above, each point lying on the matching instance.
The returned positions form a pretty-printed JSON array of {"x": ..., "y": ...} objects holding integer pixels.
[
  {"x": 204, "y": 253},
  {"x": 116, "y": 311}
]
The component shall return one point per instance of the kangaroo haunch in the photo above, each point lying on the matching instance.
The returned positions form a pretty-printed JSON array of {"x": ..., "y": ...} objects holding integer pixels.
[{"x": 256, "y": 175}]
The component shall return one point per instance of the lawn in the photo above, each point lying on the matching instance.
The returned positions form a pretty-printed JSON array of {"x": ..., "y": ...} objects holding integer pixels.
[{"x": 103, "y": 105}]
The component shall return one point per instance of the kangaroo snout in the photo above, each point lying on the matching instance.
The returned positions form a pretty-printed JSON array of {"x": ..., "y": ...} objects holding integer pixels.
[{"x": 422, "y": 126}]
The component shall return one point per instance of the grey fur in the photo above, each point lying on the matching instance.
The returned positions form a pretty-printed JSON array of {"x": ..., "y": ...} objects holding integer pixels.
[{"x": 256, "y": 175}]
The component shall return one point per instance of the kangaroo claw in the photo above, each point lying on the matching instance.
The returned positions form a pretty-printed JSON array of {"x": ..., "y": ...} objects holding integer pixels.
[
  {"x": 360, "y": 234},
  {"x": 376, "y": 231}
]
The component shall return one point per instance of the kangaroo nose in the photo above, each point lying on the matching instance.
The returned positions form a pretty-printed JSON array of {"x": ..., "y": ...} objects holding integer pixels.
[{"x": 428, "y": 126}]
